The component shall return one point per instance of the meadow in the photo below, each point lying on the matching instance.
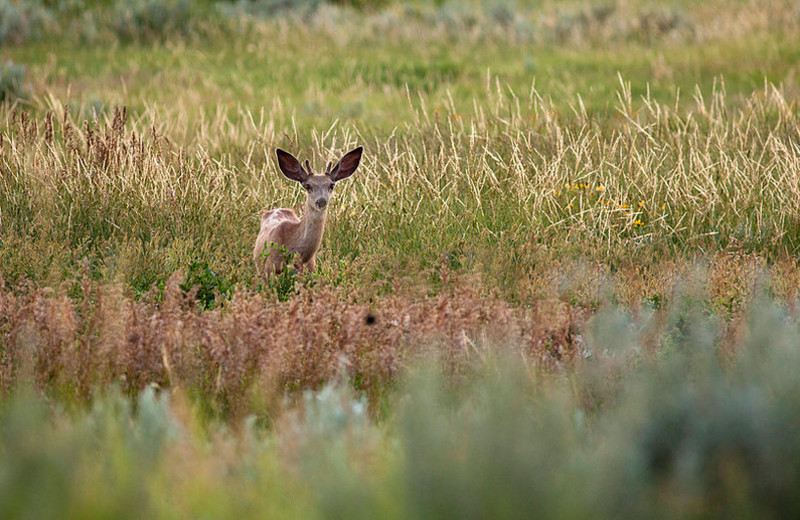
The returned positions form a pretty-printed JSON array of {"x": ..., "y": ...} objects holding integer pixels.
[{"x": 562, "y": 283}]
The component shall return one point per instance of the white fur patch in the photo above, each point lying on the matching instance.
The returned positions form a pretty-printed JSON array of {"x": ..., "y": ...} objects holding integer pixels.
[{"x": 276, "y": 216}]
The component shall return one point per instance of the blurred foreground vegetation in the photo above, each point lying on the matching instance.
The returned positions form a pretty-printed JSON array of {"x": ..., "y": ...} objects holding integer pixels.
[{"x": 663, "y": 416}]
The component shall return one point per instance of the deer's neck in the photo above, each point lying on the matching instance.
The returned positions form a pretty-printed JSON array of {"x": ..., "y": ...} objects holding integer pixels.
[{"x": 311, "y": 229}]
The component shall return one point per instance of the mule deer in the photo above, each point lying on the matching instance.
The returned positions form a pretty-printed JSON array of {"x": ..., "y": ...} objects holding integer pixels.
[{"x": 282, "y": 233}]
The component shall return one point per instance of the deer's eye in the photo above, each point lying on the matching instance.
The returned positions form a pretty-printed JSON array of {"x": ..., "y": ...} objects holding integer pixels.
[
  {"x": 307, "y": 186},
  {"x": 330, "y": 188}
]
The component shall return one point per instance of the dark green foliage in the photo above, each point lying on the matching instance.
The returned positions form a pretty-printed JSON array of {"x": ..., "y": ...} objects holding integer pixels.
[
  {"x": 12, "y": 82},
  {"x": 283, "y": 283},
  {"x": 148, "y": 20},
  {"x": 207, "y": 285},
  {"x": 267, "y": 8},
  {"x": 22, "y": 21}
]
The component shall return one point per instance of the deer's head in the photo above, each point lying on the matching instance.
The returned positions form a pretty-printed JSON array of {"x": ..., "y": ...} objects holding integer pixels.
[{"x": 318, "y": 187}]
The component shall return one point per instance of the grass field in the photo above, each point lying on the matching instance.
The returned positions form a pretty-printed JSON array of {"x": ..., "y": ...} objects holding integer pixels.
[{"x": 562, "y": 283}]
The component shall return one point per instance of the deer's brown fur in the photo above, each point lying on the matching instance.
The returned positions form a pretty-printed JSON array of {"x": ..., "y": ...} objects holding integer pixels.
[{"x": 282, "y": 233}]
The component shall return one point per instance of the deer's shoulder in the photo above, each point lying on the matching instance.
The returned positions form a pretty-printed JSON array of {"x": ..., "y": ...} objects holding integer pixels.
[{"x": 279, "y": 215}]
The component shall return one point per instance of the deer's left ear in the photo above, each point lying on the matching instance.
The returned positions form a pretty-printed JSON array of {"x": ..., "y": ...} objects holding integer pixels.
[
  {"x": 290, "y": 166},
  {"x": 347, "y": 165}
]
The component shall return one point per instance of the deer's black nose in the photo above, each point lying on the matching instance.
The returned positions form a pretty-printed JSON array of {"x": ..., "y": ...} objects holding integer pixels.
[{"x": 321, "y": 203}]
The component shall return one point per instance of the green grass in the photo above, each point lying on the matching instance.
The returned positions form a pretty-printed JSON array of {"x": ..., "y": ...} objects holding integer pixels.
[
  {"x": 367, "y": 83},
  {"x": 497, "y": 190}
]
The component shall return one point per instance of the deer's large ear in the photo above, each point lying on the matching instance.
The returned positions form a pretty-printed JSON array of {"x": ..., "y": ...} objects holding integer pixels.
[
  {"x": 347, "y": 165},
  {"x": 290, "y": 166}
]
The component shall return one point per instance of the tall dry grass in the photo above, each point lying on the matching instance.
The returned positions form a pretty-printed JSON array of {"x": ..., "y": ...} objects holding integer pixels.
[
  {"x": 248, "y": 354},
  {"x": 497, "y": 193}
]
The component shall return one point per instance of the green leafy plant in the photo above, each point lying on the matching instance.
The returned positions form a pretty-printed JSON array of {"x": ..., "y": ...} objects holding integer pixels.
[
  {"x": 206, "y": 283},
  {"x": 283, "y": 283}
]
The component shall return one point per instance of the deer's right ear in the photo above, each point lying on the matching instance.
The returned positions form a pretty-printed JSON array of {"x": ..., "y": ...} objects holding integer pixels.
[
  {"x": 290, "y": 166},
  {"x": 345, "y": 167}
]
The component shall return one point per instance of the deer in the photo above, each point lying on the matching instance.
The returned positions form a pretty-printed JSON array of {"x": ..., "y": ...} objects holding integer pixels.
[{"x": 283, "y": 235}]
